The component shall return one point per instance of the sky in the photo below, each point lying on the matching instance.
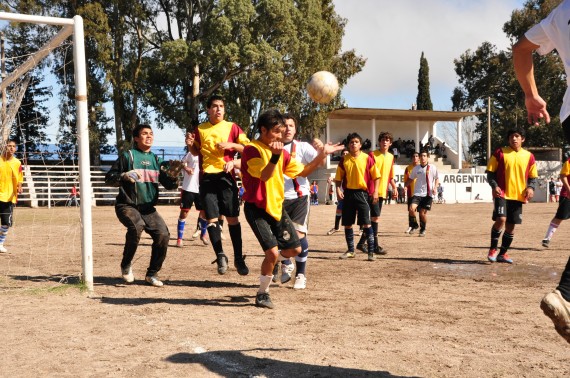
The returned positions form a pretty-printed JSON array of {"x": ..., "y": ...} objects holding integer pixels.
[{"x": 391, "y": 35}]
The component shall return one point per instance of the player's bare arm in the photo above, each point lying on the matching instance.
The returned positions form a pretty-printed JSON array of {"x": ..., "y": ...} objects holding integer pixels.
[
  {"x": 326, "y": 149},
  {"x": 318, "y": 145},
  {"x": 524, "y": 70},
  {"x": 375, "y": 194},
  {"x": 230, "y": 146},
  {"x": 339, "y": 192},
  {"x": 394, "y": 189}
]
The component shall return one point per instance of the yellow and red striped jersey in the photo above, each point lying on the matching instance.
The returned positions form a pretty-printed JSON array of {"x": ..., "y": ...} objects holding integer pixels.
[
  {"x": 358, "y": 172},
  {"x": 10, "y": 176},
  {"x": 410, "y": 188},
  {"x": 385, "y": 164},
  {"x": 512, "y": 170}
]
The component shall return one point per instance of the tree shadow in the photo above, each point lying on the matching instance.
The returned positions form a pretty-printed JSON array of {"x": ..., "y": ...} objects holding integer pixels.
[
  {"x": 59, "y": 278},
  {"x": 232, "y": 301},
  {"x": 117, "y": 281},
  {"x": 229, "y": 363},
  {"x": 439, "y": 260}
]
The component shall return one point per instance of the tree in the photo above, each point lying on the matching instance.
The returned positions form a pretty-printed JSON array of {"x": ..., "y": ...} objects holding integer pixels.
[
  {"x": 423, "y": 99},
  {"x": 487, "y": 72}
]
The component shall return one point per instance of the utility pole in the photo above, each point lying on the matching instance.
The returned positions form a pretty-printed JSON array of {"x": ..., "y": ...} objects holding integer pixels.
[{"x": 3, "y": 75}]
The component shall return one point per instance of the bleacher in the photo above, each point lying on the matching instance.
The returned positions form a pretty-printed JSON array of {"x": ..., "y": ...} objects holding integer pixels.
[{"x": 53, "y": 185}]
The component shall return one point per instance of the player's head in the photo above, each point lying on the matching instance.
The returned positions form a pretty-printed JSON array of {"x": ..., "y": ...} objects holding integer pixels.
[
  {"x": 143, "y": 136},
  {"x": 270, "y": 126},
  {"x": 416, "y": 158},
  {"x": 10, "y": 149},
  {"x": 189, "y": 137},
  {"x": 424, "y": 156},
  {"x": 354, "y": 143},
  {"x": 290, "y": 127},
  {"x": 385, "y": 140},
  {"x": 216, "y": 109},
  {"x": 516, "y": 138}
]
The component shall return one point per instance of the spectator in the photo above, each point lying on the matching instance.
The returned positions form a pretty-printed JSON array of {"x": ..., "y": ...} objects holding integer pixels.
[
  {"x": 552, "y": 189},
  {"x": 401, "y": 193},
  {"x": 314, "y": 193}
]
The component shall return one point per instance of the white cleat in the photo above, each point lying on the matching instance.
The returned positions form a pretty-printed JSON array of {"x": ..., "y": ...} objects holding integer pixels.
[
  {"x": 300, "y": 282},
  {"x": 128, "y": 275}
]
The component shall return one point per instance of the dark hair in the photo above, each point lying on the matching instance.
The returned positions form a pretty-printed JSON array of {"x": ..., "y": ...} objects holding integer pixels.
[
  {"x": 351, "y": 136},
  {"x": 521, "y": 132},
  {"x": 415, "y": 153},
  {"x": 139, "y": 127},
  {"x": 385, "y": 134},
  {"x": 12, "y": 141},
  {"x": 287, "y": 116},
  {"x": 214, "y": 98},
  {"x": 425, "y": 151},
  {"x": 269, "y": 119}
]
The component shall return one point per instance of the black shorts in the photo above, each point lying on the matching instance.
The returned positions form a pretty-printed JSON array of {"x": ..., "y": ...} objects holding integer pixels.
[
  {"x": 375, "y": 208},
  {"x": 510, "y": 209},
  {"x": 270, "y": 232},
  {"x": 219, "y": 195},
  {"x": 355, "y": 202},
  {"x": 298, "y": 211},
  {"x": 422, "y": 202},
  {"x": 6, "y": 210},
  {"x": 563, "y": 211},
  {"x": 187, "y": 199}
]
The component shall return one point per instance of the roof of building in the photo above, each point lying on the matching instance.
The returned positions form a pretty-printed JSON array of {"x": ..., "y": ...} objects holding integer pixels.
[{"x": 398, "y": 114}]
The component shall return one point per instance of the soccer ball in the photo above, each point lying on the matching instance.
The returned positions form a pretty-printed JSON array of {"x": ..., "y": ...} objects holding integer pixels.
[{"x": 322, "y": 87}]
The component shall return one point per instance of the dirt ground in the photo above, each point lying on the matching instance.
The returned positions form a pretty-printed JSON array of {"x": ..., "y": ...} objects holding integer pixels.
[{"x": 432, "y": 307}]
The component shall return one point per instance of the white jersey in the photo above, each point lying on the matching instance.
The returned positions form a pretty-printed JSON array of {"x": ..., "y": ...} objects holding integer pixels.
[
  {"x": 190, "y": 183},
  {"x": 304, "y": 153},
  {"x": 425, "y": 179},
  {"x": 552, "y": 33}
]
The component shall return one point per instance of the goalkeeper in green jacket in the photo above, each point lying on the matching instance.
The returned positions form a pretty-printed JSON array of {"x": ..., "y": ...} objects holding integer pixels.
[{"x": 137, "y": 173}]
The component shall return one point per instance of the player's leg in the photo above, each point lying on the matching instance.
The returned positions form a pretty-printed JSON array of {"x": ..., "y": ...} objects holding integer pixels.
[
  {"x": 514, "y": 217},
  {"x": 6, "y": 211},
  {"x": 348, "y": 219},
  {"x": 231, "y": 209},
  {"x": 337, "y": 218},
  {"x": 424, "y": 206},
  {"x": 209, "y": 188},
  {"x": 298, "y": 210},
  {"x": 185, "y": 206},
  {"x": 413, "y": 225},
  {"x": 563, "y": 213},
  {"x": 131, "y": 218},
  {"x": 499, "y": 218},
  {"x": 158, "y": 230}
]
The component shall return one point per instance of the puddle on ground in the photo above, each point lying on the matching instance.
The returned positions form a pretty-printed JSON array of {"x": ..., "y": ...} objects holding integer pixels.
[{"x": 514, "y": 271}]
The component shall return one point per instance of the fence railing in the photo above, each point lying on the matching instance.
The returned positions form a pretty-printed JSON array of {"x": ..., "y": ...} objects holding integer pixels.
[{"x": 58, "y": 185}]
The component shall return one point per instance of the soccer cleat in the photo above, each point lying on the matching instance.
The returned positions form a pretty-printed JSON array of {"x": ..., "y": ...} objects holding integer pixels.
[
  {"x": 179, "y": 243},
  {"x": 3, "y": 249},
  {"x": 276, "y": 274},
  {"x": 371, "y": 257},
  {"x": 332, "y": 231},
  {"x": 222, "y": 235},
  {"x": 422, "y": 233},
  {"x": 127, "y": 274},
  {"x": 300, "y": 282},
  {"x": 558, "y": 310},
  {"x": 504, "y": 258},
  {"x": 205, "y": 240},
  {"x": 239, "y": 264},
  {"x": 263, "y": 300},
  {"x": 409, "y": 230},
  {"x": 222, "y": 261},
  {"x": 196, "y": 233},
  {"x": 347, "y": 255},
  {"x": 286, "y": 271},
  {"x": 492, "y": 256},
  {"x": 362, "y": 247},
  {"x": 545, "y": 242},
  {"x": 154, "y": 281},
  {"x": 380, "y": 251}
]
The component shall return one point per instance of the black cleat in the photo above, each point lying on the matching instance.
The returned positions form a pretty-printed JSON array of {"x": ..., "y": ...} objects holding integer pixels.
[
  {"x": 263, "y": 300},
  {"x": 276, "y": 271},
  {"x": 380, "y": 251},
  {"x": 362, "y": 247},
  {"x": 240, "y": 266},
  {"x": 222, "y": 261}
]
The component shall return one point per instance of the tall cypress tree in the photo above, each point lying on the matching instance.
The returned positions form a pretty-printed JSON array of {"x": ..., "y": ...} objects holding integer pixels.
[{"x": 423, "y": 100}]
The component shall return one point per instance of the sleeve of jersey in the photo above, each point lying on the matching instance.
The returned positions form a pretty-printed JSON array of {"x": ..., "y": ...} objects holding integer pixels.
[
  {"x": 565, "y": 171},
  {"x": 532, "y": 172},
  {"x": 255, "y": 162},
  {"x": 493, "y": 163},
  {"x": 292, "y": 168},
  {"x": 20, "y": 174},
  {"x": 340, "y": 173},
  {"x": 238, "y": 135},
  {"x": 412, "y": 175},
  {"x": 538, "y": 35},
  {"x": 373, "y": 168}
]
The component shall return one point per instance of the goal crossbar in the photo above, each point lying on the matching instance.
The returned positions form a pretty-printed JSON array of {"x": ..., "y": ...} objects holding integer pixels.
[{"x": 71, "y": 26}]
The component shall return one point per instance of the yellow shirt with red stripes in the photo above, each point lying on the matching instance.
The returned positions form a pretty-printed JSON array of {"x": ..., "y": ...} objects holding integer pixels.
[
  {"x": 512, "y": 169},
  {"x": 565, "y": 171},
  {"x": 357, "y": 173},
  {"x": 213, "y": 159},
  {"x": 385, "y": 164},
  {"x": 268, "y": 195},
  {"x": 409, "y": 188}
]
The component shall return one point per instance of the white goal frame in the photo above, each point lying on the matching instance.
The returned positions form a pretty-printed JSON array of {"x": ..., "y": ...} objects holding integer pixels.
[{"x": 70, "y": 26}]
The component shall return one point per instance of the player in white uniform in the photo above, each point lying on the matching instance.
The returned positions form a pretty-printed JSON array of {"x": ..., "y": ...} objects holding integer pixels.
[
  {"x": 190, "y": 195},
  {"x": 297, "y": 203},
  {"x": 425, "y": 188}
]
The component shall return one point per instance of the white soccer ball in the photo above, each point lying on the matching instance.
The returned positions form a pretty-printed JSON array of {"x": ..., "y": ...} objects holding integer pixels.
[{"x": 322, "y": 87}]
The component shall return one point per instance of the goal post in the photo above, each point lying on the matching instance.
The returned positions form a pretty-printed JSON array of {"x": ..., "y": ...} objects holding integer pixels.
[{"x": 71, "y": 26}]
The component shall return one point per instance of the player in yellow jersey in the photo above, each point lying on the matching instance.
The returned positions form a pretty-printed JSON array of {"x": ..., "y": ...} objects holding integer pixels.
[
  {"x": 512, "y": 174},
  {"x": 11, "y": 179},
  {"x": 357, "y": 180},
  {"x": 412, "y": 220},
  {"x": 563, "y": 212},
  {"x": 216, "y": 143},
  {"x": 384, "y": 161}
]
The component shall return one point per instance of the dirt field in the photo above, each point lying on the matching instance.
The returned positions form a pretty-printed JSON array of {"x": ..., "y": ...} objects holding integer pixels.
[{"x": 433, "y": 307}]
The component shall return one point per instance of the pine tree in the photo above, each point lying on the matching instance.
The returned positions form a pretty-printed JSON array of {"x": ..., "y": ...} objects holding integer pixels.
[{"x": 423, "y": 100}]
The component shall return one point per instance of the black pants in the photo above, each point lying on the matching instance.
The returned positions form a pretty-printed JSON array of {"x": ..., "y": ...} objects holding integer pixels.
[
  {"x": 564, "y": 285},
  {"x": 150, "y": 221}
]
